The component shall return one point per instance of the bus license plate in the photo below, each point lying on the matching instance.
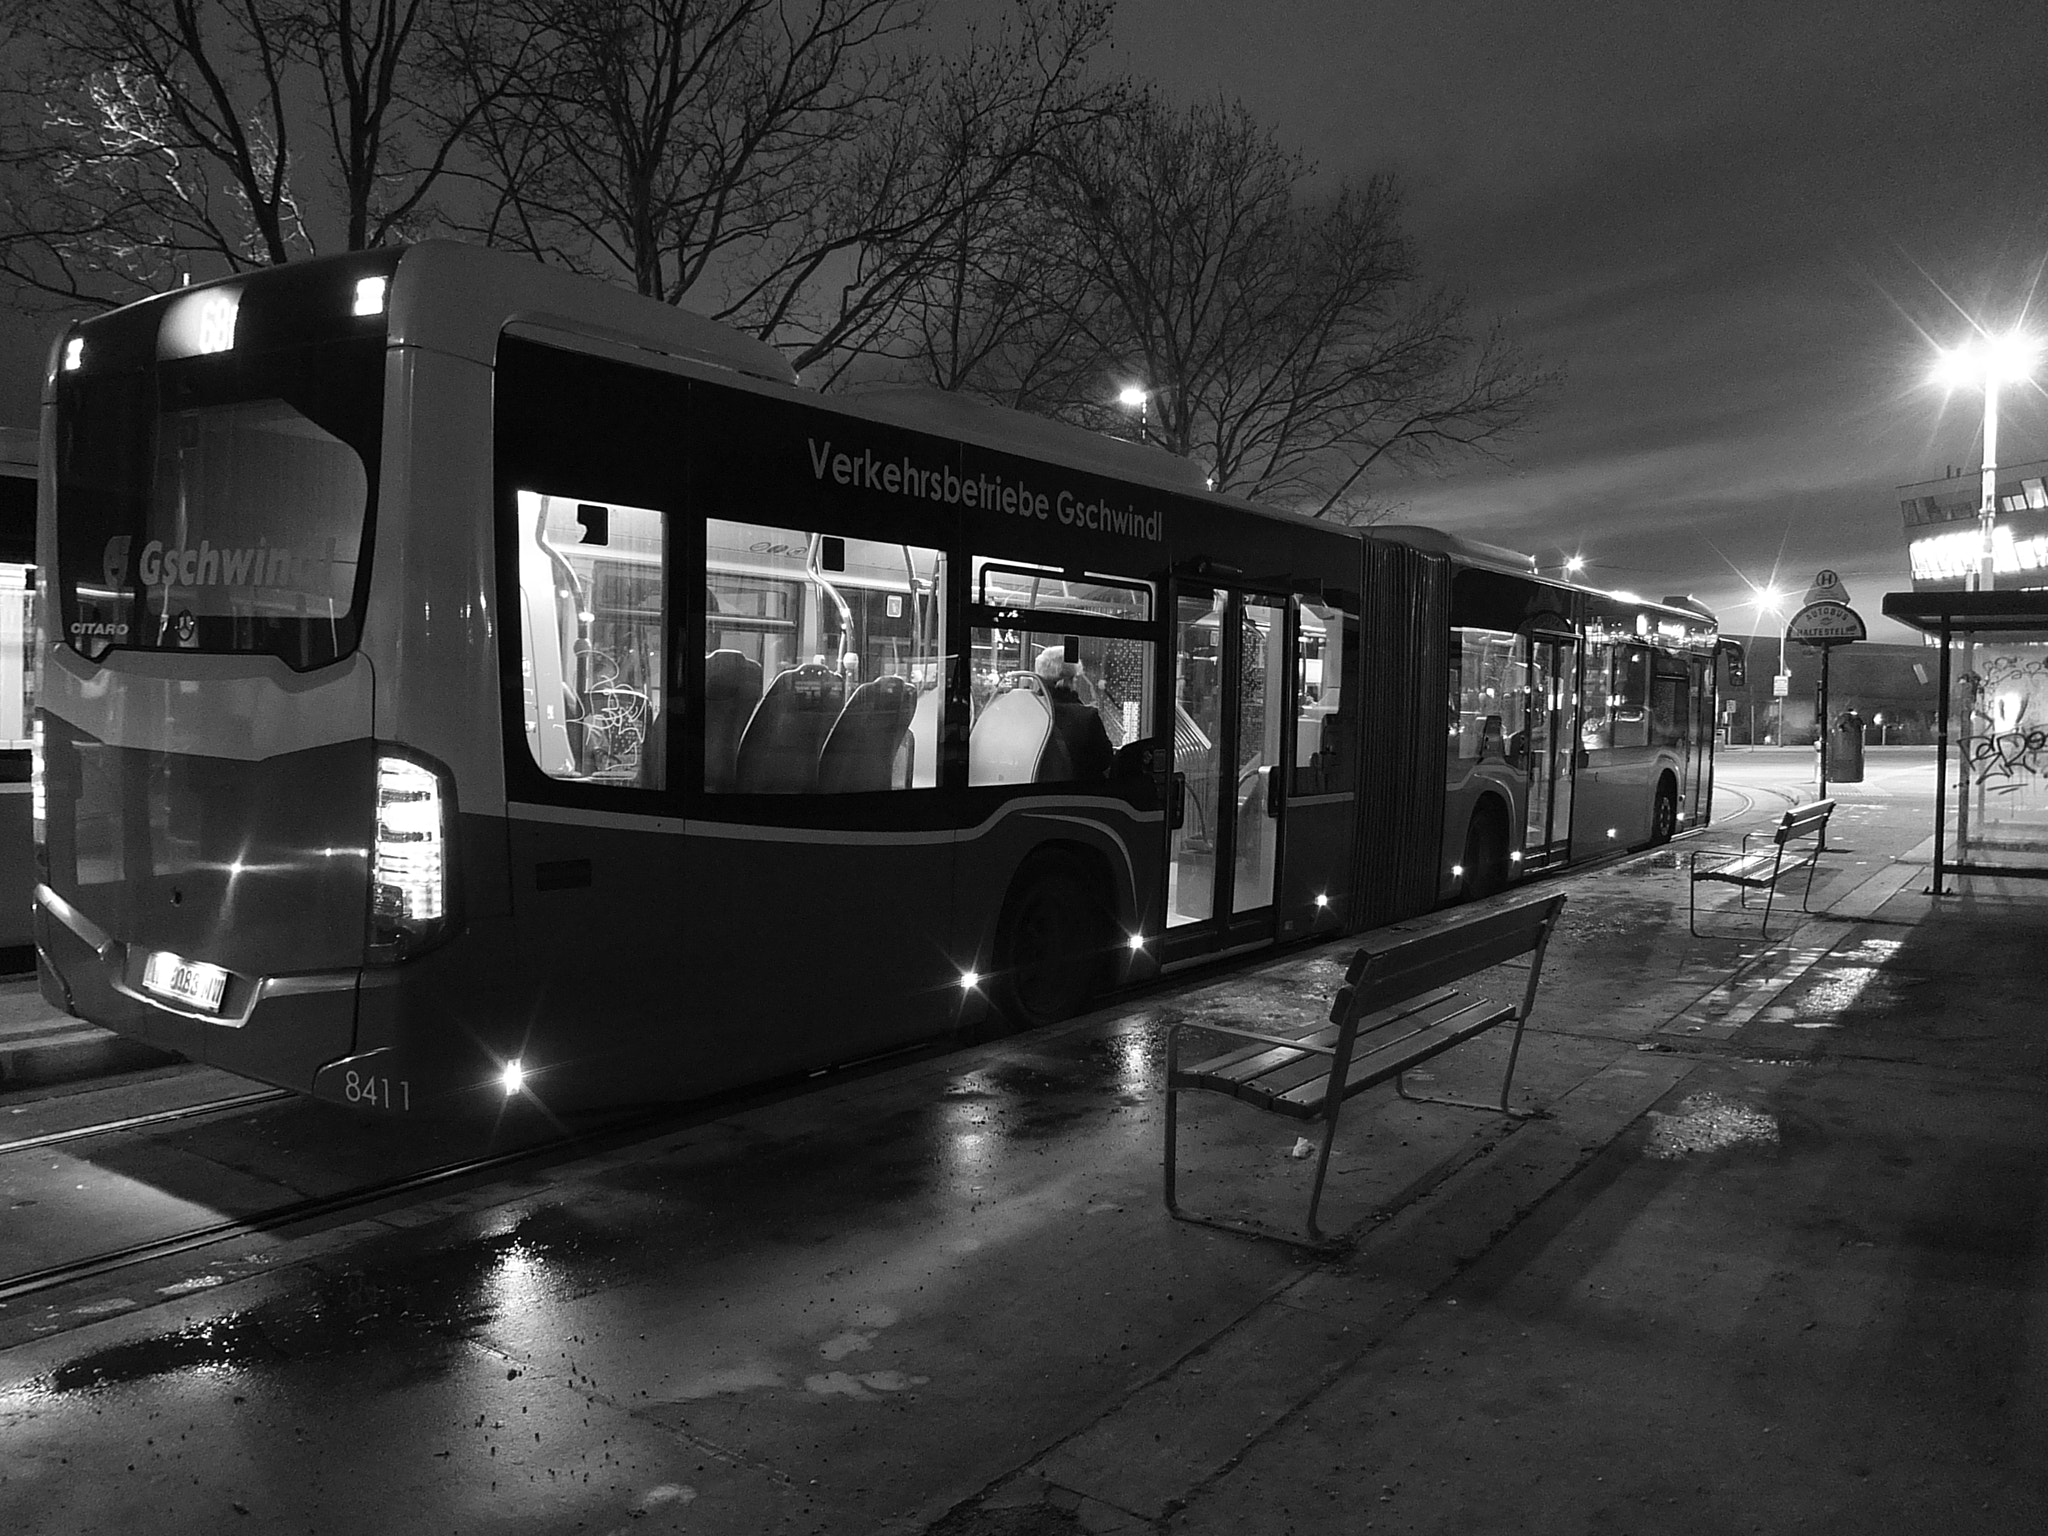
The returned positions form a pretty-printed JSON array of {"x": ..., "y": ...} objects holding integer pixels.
[{"x": 191, "y": 982}]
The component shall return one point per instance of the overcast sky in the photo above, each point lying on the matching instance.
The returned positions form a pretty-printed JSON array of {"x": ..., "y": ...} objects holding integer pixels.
[{"x": 1741, "y": 228}]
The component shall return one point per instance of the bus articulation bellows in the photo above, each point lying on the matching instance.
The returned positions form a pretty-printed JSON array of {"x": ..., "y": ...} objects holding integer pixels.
[{"x": 466, "y": 680}]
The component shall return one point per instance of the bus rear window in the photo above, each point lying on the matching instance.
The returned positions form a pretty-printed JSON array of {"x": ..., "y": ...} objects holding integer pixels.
[{"x": 219, "y": 504}]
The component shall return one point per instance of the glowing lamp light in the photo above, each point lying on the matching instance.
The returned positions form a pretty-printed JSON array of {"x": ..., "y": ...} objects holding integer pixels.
[
  {"x": 409, "y": 865},
  {"x": 1457, "y": 871},
  {"x": 1130, "y": 397},
  {"x": 1322, "y": 900},
  {"x": 1614, "y": 831},
  {"x": 39, "y": 805},
  {"x": 513, "y": 1078},
  {"x": 1515, "y": 857},
  {"x": 1574, "y": 565},
  {"x": 74, "y": 354},
  {"x": 1137, "y": 943},
  {"x": 370, "y": 295},
  {"x": 2007, "y": 359},
  {"x": 969, "y": 980}
]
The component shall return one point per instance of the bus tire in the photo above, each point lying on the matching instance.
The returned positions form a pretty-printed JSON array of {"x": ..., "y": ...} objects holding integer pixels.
[
  {"x": 1051, "y": 944},
  {"x": 1486, "y": 854},
  {"x": 1664, "y": 814}
]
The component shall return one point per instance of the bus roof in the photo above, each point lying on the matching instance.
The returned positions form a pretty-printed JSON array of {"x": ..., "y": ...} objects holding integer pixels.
[
  {"x": 946, "y": 413},
  {"x": 1494, "y": 557},
  {"x": 459, "y": 298}
]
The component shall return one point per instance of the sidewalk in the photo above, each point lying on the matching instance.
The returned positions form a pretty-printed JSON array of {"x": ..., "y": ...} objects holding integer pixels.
[
  {"x": 40, "y": 1046},
  {"x": 1773, "y": 1260}
]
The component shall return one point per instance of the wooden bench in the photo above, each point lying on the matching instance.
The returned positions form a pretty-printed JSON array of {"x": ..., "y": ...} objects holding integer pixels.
[
  {"x": 1402, "y": 1003},
  {"x": 1759, "y": 865}
]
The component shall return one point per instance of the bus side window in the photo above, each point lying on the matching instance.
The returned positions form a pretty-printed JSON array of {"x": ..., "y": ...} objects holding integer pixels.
[
  {"x": 1050, "y": 705},
  {"x": 824, "y": 667},
  {"x": 1325, "y": 700},
  {"x": 1074, "y": 718},
  {"x": 1667, "y": 702},
  {"x": 1596, "y": 725},
  {"x": 1493, "y": 679},
  {"x": 1631, "y": 702},
  {"x": 594, "y": 610}
]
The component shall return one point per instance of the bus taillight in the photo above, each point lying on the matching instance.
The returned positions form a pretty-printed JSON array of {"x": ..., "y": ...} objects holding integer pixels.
[{"x": 409, "y": 865}]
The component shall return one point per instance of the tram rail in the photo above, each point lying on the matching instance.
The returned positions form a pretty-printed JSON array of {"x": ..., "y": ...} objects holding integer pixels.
[
  {"x": 305, "y": 1209},
  {"x": 145, "y": 1121}
]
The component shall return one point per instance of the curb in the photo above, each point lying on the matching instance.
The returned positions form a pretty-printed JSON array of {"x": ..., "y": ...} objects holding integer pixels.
[{"x": 74, "y": 1052}]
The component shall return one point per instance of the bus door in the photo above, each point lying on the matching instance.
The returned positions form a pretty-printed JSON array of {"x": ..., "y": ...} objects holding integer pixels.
[
  {"x": 1552, "y": 727},
  {"x": 1699, "y": 773},
  {"x": 1230, "y": 713}
]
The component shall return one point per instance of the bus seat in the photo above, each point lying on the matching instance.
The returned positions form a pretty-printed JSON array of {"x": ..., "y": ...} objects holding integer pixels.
[
  {"x": 732, "y": 687},
  {"x": 778, "y": 752},
  {"x": 925, "y": 724},
  {"x": 1010, "y": 736},
  {"x": 866, "y": 739}
]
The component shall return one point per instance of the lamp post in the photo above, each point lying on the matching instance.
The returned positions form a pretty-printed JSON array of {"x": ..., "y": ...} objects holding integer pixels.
[
  {"x": 1987, "y": 362},
  {"x": 1769, "y": 600},
  {"x": 1134, "y": 397}
]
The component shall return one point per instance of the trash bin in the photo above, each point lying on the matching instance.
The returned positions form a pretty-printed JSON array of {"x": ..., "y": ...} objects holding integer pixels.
[{"x": 1845, "y": 749}]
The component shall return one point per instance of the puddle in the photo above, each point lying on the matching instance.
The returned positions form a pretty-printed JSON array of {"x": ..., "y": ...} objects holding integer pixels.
[
  {"x": 425, "y": 1300},
  {"x": 1707, "y": 1122}
]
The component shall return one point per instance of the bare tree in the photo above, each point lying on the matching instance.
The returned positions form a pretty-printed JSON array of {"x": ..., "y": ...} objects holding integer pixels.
[
  {"x": 1286, "y": 340},
  {"x": 791, "y": 166},
  {"x": 143, "y": 142},
  {"x": 1011, "y": 312}
]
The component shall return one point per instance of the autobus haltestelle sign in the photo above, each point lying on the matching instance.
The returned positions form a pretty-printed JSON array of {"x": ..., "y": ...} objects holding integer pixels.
[{"x": 1826, "y": 623}]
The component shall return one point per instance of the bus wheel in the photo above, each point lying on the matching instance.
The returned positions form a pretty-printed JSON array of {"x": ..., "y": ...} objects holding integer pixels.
[
  {"x": 1486, "y": 855},
  {"x": 1664, "y": 816},
  {"x": 1050, "y": 945}
]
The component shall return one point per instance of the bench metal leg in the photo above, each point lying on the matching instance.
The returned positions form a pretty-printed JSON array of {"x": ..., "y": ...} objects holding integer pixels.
[
  {"x": 1502, "y": 1108},
  {"x": 1315, "y": 1195},
  {"x": 1506, "y": 1082},
  {"x": 1812, "y": 869},
  {"x": 1317, "y": 1241}
]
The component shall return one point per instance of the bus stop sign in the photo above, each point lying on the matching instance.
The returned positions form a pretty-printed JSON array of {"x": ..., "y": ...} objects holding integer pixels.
[{"x": 1826, "y": 623}]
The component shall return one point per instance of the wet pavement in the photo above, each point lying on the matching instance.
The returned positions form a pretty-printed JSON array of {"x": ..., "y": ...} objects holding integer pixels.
[{"x": 1771, "y": 1259}]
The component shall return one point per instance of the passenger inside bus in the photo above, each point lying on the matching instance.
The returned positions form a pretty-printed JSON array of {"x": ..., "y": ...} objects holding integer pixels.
[{"x": 1079, "y": 747}]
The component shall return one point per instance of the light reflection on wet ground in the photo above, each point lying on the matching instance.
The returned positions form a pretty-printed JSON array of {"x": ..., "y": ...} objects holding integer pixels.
[
  {"x": 1708, "y": 1122},
  {"x": 1845, "y": 981},
  {"x": 445, "y": 1298}
]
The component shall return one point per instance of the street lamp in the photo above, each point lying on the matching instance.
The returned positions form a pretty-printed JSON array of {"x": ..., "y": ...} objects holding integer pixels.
[
  {"x": 1135, "y": 397},
  {"x": 1574, "y": 564},
  {"x": 1769, "y": 600},
  {"x": 1987, "y": 362}
]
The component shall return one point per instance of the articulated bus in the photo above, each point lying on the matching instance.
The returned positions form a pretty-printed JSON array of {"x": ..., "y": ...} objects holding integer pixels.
[{"x": 466, "y": 680}]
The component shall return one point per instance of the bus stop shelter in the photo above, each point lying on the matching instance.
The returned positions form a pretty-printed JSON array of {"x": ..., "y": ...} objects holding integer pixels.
[{"x": 1992, "y": 726}]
